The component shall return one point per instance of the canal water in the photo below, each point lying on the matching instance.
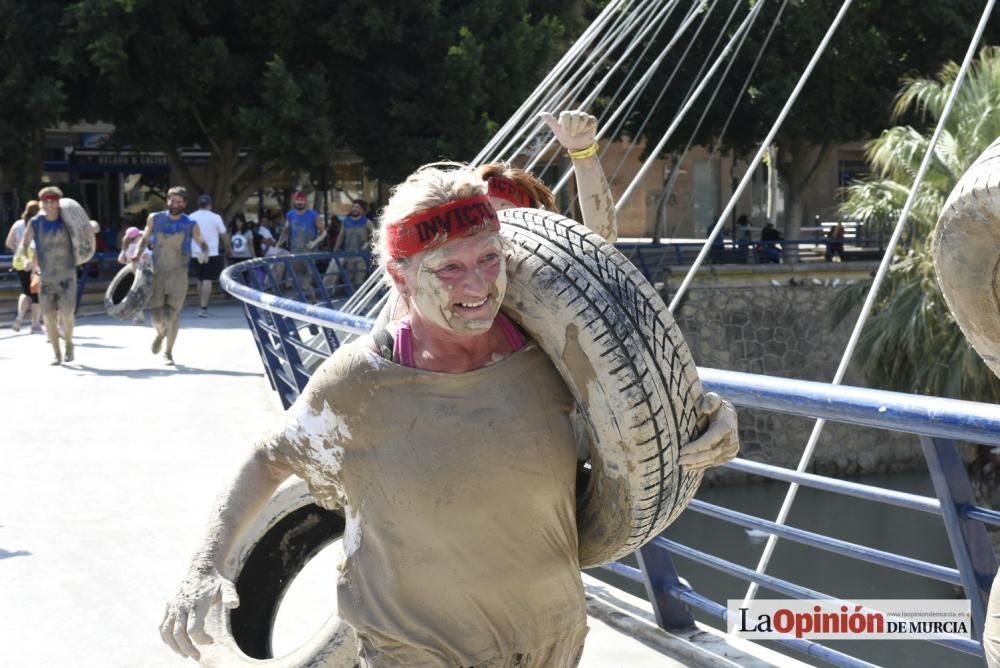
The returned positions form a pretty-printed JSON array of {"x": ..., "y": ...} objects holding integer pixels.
[{"x": 910, "y": 533}]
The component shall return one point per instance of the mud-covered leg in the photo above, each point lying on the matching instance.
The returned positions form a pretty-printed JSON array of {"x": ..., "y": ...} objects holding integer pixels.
[
  {"x": 160, "y": 326},
  {"x": 67, "y": 313},
  {"x": 173, "y": 326},
  {"x": 51, "y": 317}
]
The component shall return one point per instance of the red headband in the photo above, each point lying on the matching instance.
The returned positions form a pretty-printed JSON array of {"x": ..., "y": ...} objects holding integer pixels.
[
  {"x": 47, "y": 196},
  {"x": 432, "y": 227},
  {"x": 504, "y": 188}
]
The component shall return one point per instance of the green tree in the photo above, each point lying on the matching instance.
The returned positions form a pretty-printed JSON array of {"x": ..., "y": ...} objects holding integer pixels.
[
  {"x": 277, "y": 85},
  {"x": 848, "y": 95},
  {"x": 420, "y": 81},
  {"x": 31, "y": 92},
  {"x": 911, "y": 342}
]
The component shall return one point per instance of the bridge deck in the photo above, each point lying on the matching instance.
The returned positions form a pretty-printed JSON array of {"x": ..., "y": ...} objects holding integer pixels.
[{"x": 110, "y": 465}]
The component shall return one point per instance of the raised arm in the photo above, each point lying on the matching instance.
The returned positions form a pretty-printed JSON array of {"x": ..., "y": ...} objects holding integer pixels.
[
  {"x": 576, "y": 131},
  {"x": 205, "y": 586}
]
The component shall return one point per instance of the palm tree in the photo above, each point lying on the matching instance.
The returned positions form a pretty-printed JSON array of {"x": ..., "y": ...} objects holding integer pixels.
[{"x": 911, "y": 342}]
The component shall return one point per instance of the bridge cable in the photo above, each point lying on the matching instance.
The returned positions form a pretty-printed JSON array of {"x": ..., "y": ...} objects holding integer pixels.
[
  {"x": 725, "y": 127},
  {"x": 571, "y": 55},
  {"x": 568, "y": 98},
  {"x": 634, "y": 184},
  {"x": 873, "y": 291},
  {"x": 633, "y": 97},
  {"x": 604, "y": 123},
  {"x": 615, "y": 35}
]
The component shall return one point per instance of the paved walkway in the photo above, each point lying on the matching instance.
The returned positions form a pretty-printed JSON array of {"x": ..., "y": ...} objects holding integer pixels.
[{"x": 111, "y": 463}]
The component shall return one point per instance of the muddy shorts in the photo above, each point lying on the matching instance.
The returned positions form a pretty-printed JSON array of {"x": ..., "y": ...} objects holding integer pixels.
[
  {"x": 169, "y": 289},
  {"x": 58, "y": 295},
  {"x": 565, "y": 652}
]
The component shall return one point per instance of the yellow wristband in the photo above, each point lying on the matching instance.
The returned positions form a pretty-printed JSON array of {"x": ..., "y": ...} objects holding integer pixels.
[{"x": 584, "y": 152}]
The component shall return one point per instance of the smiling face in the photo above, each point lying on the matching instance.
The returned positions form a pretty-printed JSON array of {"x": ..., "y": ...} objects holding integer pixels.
[
  {"x": 176, "y": 205},
  {"x": 50, "y": 207},
  {"x": 460, "y": 286}
]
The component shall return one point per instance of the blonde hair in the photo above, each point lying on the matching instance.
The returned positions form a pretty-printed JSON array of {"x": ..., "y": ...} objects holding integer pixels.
[
  {"x": 431, "y": 185},
  {"x": 541, "y": 196}
]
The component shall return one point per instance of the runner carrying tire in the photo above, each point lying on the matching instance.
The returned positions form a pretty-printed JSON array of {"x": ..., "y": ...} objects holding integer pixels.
[{"x": 448, "y": 444}]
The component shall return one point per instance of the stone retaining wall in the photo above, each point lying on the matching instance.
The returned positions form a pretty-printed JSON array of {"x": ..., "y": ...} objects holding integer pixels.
[{"x": 773, "y": 320}]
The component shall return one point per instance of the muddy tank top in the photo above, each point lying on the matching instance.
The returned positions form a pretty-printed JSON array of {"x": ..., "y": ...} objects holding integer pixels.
[
  {"x": 459, "y": 494},
  {"x": 54, "y": 249},
  {"x": 171, "y": 242}
]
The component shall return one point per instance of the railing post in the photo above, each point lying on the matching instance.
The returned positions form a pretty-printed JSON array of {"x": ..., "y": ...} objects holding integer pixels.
[
  {"x": 660, "y": 576},
  {"x": 969, "y": 543}
]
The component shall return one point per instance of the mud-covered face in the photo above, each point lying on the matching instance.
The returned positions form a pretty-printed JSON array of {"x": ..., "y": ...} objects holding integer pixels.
[
  {"x": 50, "y": 207},
  {"x": 460, "y": 286},
  {"x": 176, "y": 204}
]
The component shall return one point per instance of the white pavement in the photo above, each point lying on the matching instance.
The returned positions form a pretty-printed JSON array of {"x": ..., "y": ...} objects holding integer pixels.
[{"x": 108, "y": 468}]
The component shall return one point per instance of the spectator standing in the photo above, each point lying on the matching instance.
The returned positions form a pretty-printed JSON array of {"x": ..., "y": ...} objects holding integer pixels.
[
  {"x": 242, "y": 239},
  {"x": 356, "y": 231},
  {"x": 213, "y": 231},
  {"x": 835, "y": 245},
  {"x": 304, "y": 230},
  {"x": 23, "y": 263},
  {"x": 268, "y": 247},
  {"x": 769, "y": 250},
  {"x": 303, "y": 225}
]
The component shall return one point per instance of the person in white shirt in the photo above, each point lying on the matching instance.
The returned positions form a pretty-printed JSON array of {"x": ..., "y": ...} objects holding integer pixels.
[{"x": 213, "y": 230}]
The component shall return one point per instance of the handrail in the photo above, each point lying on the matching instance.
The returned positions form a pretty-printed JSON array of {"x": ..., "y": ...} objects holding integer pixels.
[{"x": 932, "y": 416}]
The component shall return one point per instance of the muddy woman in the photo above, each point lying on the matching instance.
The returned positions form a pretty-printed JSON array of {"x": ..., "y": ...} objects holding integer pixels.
[
  {"x": 170, "y": 233},
  {"x": 446, "y": 440}
]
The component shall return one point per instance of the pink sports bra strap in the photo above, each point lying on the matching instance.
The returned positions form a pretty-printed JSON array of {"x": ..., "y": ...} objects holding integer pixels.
[
  {"x": 514, "y": 335},
  {"x": 402, "y": 347}
]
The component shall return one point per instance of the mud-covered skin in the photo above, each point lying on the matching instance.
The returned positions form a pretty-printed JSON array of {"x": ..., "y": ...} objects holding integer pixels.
[
  {"x": 173, "y": 232},
  {"x": 56, "y": 269},
  {"x": 464, "y": 272},
  {"x": 205, "y": 587},
  {"x": 576, "y": 130}
]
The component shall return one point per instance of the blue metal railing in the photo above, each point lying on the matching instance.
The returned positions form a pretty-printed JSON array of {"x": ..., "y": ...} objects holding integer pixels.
[{"x": 294, "y": 334}]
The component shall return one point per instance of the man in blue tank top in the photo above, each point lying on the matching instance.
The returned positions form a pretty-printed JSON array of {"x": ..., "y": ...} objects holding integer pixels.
[
  {"x": 170, "y": 233},
  {"x": 56, "y": 270},
  {"x": 303, "y": 225}
]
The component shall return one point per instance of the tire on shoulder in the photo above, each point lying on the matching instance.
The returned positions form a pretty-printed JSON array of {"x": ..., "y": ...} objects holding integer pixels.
[
  {"x": 621, "y": 354},
  {"x": 81, "y": 234}
]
